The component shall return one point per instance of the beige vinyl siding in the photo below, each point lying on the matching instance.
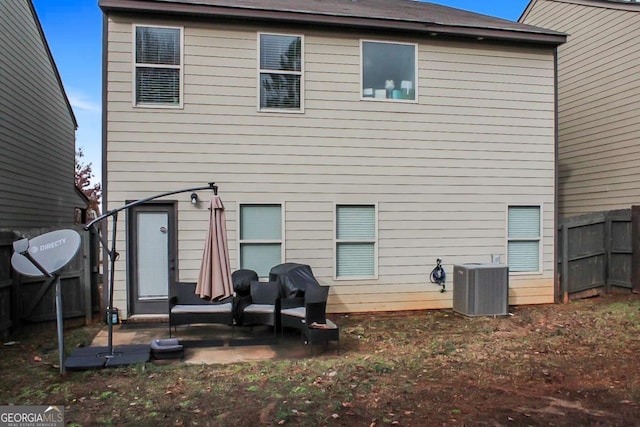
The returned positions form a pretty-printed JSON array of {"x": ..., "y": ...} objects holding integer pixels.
[
  {"x": 599, "y": 102},
  {"x": 442, "y": 171},
  {"x": 37, "y": 132}
]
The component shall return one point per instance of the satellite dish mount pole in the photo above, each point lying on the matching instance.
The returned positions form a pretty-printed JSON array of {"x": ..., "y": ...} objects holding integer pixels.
[
  {"x": 113, "y": 256},
  {"x": 22, "y": 247}
]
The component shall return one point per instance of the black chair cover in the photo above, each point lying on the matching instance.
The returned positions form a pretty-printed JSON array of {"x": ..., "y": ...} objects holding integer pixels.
[{"x": 293, "y": 278}]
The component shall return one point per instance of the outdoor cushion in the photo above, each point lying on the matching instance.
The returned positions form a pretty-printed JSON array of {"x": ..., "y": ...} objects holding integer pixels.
[
  {"x": 201, "y": 308},
  {"x": 294, "y": 312},
  {"x": 259, "y": 308}
]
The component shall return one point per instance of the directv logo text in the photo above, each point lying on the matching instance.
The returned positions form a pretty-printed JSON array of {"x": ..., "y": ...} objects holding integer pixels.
[{"x": 48, "y": 246}]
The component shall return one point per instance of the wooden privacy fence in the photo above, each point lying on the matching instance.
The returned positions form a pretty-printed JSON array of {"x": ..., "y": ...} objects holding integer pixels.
[
  {"x": 33, "y": 299},
  {"x": 596, "y": 252},
  {"x": 7, "y": 302}
]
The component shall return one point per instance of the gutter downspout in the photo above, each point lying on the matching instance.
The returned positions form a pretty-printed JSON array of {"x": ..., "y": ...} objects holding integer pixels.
[
  {"x": 559, "y": 278},
  {"x": 103, "y": 226}
]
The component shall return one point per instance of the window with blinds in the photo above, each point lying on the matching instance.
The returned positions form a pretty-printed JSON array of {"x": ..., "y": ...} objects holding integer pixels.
[
  {"x": 260, "y": 237},
  {"x": 524, "y": 237},
  {"x": 356, "y": 241},
  {"x": 280, "y": 72},
  {"x": 158, "y": 66}
]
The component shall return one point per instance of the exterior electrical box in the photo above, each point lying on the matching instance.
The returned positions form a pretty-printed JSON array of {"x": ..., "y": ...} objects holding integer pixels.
[{"x": 481, "y": 289}]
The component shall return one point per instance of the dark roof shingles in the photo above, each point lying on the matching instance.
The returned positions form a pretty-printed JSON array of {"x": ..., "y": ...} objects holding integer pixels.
[{"x": 407, "y": 11}]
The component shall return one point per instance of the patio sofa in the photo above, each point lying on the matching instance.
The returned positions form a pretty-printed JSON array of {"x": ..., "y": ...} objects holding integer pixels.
[
  {"x": 258, "y": 307},
  {"x": 186, "y": 307}
]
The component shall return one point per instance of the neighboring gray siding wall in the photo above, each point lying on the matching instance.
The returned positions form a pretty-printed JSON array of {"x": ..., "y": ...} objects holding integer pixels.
[
  {"x": 599, "y": 108},
  {"x": 442, "y": 171},
  {"x": 37, "y": 132}
]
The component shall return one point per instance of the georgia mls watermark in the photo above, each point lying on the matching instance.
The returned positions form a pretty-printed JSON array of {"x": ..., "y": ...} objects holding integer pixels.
[{"x": 31, "y": 416}]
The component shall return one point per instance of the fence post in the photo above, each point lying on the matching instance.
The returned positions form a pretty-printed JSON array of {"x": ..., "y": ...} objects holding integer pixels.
[
  {"x": 8, "y": 309},
  {"x": 608, "y": 250},
  {"x": 16, "y": 315},
  {"x": 564, "y": 270},
  {"x": 635, "y": 248},
  {"x": 86, "y": 253}
]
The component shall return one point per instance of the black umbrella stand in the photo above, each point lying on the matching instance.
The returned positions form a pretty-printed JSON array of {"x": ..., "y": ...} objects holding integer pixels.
[{"x": 98, "y": 357}]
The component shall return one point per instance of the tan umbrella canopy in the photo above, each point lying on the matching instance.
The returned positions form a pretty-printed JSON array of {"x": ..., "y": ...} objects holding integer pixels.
[{"x": 214, "y": 281}]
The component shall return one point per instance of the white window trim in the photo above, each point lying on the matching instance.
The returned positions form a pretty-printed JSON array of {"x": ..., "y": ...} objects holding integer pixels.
[
  {"x": 336, "y": 241},
  {"x": 416, "y": 94},
  {"x": 252, "y": 241},
  {"x": 180, "y": 105},
  {"x": 296, "y": 73},
  {"x": 540, "y": 239}
]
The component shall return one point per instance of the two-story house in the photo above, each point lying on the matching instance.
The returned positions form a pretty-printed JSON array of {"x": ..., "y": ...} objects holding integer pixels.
[
  {"x": 364, "y": 138},
  {"x": 599, "y": 101}
]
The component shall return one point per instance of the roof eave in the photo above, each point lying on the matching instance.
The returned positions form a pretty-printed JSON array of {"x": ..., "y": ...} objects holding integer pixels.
[
  {"x": 141, "y": 6},
  {"x": 496, "y": 34},
  {"x": 54, "y": 67}
]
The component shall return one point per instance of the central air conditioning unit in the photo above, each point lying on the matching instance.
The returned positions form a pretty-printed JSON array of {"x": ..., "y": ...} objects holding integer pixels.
[{"x": 481, "y": 289}]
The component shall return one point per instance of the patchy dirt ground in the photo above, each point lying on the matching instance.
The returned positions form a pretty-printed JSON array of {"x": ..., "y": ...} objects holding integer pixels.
[{"x": 555, "y": 365}]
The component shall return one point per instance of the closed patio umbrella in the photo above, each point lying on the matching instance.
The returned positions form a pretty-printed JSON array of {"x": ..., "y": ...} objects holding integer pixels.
[{"x": 214, "y": 280}]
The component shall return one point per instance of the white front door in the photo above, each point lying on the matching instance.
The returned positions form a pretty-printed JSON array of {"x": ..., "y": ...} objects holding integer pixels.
[{"x": 152, "y": 236}]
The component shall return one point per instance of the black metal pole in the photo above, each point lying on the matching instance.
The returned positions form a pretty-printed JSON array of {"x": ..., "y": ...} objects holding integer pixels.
[
  {"x": 113, "y": 255},
  {"x": 210, "y": 186},
  {"x": 59, "y": 321}
]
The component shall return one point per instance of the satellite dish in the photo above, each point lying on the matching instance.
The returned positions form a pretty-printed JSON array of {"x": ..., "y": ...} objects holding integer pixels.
[
  {"x": 52, "y": 251},
  {"x": 45, "y": 255}
]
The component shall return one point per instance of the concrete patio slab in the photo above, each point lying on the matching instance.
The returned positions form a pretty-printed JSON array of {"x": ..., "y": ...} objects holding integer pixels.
[{"x": 217, "y": 344}]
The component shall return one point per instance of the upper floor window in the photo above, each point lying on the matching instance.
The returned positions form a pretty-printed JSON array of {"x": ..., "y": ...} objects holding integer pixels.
[
  {"x": 389, "y": 71},
  {"x": 158, "y": 66},
  {"x": 280, "y": 72}
]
